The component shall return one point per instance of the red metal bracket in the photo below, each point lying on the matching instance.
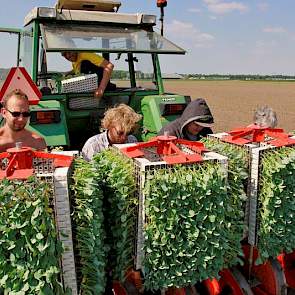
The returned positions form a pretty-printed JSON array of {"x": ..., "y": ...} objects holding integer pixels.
[
  {"x": 287, "y": 262},
  {"x": 212, "y": 286},
  {"x": 254, "y": 133},
  {"x": 134, "y": 277},
  {"x": 20, "y": 162},
  {"x": 166, "y": 147},
  {"x": 118, "y": 288},
  {"x": 230, "y": 282}
]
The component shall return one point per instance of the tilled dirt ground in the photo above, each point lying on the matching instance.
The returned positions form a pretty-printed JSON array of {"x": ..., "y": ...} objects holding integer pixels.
[{"x": 233, "y": 102}]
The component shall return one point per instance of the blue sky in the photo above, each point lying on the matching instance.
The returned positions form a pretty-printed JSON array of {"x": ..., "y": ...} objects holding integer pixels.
[{"x": 220, "y": 36}]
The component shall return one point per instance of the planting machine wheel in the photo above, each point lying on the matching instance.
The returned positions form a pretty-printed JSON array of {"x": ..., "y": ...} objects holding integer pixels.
[
  {"x": 287, "y": 262},
  {"x": 132, "y": 284},
  {"x": 125, "y": 288},
  {"x": 190, "y": 290},
  {"x": 212, "y": 287},
  {"x": 134, "y": 278},
  {"x": 118, "y": 288},
  {"x": 231, "y": 282},
  {"x": 265, "y": 279},
  {"x": 130, "y": 288}
]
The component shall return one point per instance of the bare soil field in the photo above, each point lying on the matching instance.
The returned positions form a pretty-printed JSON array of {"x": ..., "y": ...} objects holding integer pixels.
[{"x": 233, "y": 102}]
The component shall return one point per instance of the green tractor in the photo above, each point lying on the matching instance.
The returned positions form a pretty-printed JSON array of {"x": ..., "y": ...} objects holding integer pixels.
[{"x": 68, "y": 118}]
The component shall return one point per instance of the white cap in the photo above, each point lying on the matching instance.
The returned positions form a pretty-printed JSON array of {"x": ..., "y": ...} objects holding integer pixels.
[{"x": 206, "y": 125}]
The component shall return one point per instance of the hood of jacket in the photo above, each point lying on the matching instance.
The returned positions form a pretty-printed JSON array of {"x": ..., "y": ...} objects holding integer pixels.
[{"x": 196, "y": 110}]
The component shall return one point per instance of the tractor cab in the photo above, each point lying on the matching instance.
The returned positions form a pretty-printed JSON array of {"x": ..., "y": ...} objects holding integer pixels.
[{"x": 68, "y": 113}]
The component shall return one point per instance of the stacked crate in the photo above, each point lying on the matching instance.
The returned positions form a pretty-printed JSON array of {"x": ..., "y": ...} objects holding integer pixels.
[
  {"x": 84, "y": 83},
  {"x": 60, "y": 179},
  {"x": 256, "y": 152},
  {"x": 148, "y": 167}
]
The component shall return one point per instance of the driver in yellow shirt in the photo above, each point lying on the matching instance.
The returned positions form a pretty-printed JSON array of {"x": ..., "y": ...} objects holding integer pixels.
[{"x": 91, "y": 63}]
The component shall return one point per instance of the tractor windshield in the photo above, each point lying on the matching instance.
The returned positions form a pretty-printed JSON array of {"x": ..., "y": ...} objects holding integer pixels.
[
  {"x": 105, "y": 39},
  {"x": 131, "y": 49},
  {"x": 144, "y": 73}
]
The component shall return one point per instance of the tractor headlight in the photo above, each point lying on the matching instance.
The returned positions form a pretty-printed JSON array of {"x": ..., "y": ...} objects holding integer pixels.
[
  {"x": 148, "y": 19},
  {"x": 46, "y": 12},
  {"x": 45, "y": 117},
  {"x": 169, "y": 109}
]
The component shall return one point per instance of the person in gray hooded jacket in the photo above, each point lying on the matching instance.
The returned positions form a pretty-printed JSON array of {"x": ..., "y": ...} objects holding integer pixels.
[{"x": 194, "y": 123}]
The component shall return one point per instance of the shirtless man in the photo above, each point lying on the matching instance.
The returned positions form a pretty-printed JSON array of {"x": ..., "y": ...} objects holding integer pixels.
[{"x": 16, "y": 113}]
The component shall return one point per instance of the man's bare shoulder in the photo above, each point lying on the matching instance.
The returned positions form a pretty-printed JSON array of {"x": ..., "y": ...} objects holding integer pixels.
[
  {"x": 1, "y": 131},
  {"x": 3, "y": 136},
  {"x": 35, "y": 140},
  {"x": 35, "y": 135}
]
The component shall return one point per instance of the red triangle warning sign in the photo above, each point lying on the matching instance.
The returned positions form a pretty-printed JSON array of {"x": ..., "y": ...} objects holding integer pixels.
[{"x": 18, "y": 78}]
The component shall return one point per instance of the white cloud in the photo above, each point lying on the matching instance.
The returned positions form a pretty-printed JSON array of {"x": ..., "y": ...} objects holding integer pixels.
[
  {"x": 241, "y": 44},
  {"x": 211, "y": 2},
  {"x": 274, "y": 30},
  {"x": 188, "y": 35},
  {"x": 222, "y": 7},
  {"x": 202, "y": 39},
  {"x": 263, "y": 6},
  {"x": 213, "y": 17},
  {"x": 194, "y": 10},
  {"x": 262, "y": 47}
]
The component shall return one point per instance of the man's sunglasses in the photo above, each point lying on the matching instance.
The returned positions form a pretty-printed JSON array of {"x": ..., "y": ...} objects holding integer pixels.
[{"x": 18, "y": 114}]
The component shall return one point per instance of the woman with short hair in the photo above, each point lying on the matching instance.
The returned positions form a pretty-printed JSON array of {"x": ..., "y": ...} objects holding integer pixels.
[{"x": 119, "y": 122}]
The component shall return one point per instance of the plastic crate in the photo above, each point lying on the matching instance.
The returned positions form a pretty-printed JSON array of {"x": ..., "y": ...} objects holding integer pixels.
[
  {"x": 144, "y": 166},
  {"x": 255, "y": 152},
  {"x": 62, "y": 210},
  {"x": 253, "y": 190},
  {"x": 60, "y": 178},
  {"x": 84, "y": 83},
  {"x": 250, "y": 214}
]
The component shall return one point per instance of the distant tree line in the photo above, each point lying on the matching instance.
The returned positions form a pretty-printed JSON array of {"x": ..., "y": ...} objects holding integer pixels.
[
  {"x": 237, "y": 77},
  {"x": 124, "y": 75},
  {"x": 140, "y": 75},
  {"x": 118, "y": 74}
]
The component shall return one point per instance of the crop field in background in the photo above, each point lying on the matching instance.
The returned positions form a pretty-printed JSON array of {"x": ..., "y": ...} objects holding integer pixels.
[{"x": 233, "y": 102}]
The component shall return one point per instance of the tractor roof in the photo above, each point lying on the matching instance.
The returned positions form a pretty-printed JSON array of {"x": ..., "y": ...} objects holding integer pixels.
[
  {"x": 94, "y": 5},
  {"x": 99, "y": 31},
  {"x": 46, "y": 14}
]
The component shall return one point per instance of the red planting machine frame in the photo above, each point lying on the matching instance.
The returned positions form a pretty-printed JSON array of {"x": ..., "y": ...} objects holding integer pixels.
[
  {"x": 20, "y": 162},
  {"x": 166, "y": 147},
  {"x": 256, "y": 134}
]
